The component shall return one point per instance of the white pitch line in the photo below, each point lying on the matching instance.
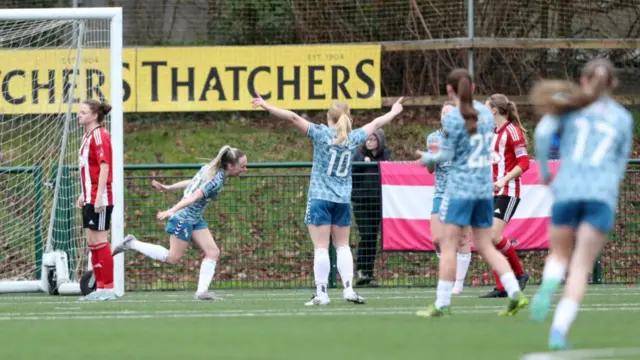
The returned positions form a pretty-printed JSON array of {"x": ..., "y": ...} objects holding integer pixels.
[
  {"x": 611, "y": 353},
  {"x": 359, "y": 311}
]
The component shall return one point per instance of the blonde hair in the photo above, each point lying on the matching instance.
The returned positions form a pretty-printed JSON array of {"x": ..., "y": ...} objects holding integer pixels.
[
  {"x": 559, "y": 96},
  {"x": 507, "y": 109},
  {"x": 226, "y": 156},
  {"x": 339, "y": 115}
]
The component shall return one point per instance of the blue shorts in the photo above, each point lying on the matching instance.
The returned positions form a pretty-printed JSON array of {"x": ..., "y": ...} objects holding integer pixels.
[
  {"x": 477, "y": 213},
  {"x": 322, "y": 212},
  {"x": 183, "y": 230},
  {"x": 573, "y": 213},
  {"x": 435, "y": 208}
]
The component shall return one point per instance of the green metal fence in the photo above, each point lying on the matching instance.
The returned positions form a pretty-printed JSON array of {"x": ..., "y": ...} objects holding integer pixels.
[{"x": 258, "y": 223}]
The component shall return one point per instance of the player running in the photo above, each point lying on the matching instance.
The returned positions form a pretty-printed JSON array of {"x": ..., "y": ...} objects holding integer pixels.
[
  {"x": 329, "y": 198},
  {"x": 596, "y": 136},
  {"x": 463, "y": 257},
  {"x": 96, "y": 198},
  {"x": 468, "y": 196},
  {"x": 510, "y": 161},
  {"x": 185, "y": 218}
]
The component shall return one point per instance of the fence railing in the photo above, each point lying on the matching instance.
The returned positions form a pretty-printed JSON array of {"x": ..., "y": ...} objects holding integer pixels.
[{"x": 257, "y": 222}]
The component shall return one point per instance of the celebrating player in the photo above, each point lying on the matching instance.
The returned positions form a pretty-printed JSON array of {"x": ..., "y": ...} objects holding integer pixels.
[
  {"x": 441, "y": 170},
  {"x": 328, "y": 206},
  {"x": 468, "y": 196},
  {"x": 510, "y": 162},
  {"x": 185, "y": 218},
  {"x": 96, "y": 199},
  {"x": 596, "y": 136}
]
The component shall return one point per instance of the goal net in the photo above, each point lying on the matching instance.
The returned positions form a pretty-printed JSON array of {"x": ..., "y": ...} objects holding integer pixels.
[{"x": 51, "y": 62}]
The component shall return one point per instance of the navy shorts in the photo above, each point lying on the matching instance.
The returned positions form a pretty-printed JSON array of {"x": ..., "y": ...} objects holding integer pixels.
[
  {"x": 183, "y": 230},
  {"x": 435, "y": 208},
  {"x": 477, "y": 213},
  {"x": 573, "y": 213},
  {"x": 322, "y": 212}
]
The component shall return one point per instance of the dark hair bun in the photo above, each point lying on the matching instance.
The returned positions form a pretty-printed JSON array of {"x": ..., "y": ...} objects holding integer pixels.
[{"x": 106, "y": 108}]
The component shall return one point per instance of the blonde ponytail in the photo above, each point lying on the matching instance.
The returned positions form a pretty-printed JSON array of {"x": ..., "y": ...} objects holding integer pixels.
[
  {"x": 216, "y": 163},
  {"x": 340, "y": 116},
  {"x": 558, "y": 97},
  {"x": 344, "y": 128}
]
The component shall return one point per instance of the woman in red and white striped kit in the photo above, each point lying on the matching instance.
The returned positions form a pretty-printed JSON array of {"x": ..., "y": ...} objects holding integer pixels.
[
  {"x": 96, "y": 199},
  {"x": 510, "y": 161}
]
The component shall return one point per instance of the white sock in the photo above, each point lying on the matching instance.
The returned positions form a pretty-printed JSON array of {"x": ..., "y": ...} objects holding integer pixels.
[
  {"x": 321, "y": 269},
  {"x": 510, "y": 283},
  {"x": 207, "y": 270},
  {"x": 443, "y": 293},
  {"x": 554, "y": 270},
  {"x": 345, "y": 266},
  {"x": 462, "y": 266},
  {"x": 156, "y": 252},
  {"x": 565, "y": 314}
]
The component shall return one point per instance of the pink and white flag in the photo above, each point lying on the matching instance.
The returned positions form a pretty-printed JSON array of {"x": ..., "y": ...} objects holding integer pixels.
[{"x": 407, "y": 199}]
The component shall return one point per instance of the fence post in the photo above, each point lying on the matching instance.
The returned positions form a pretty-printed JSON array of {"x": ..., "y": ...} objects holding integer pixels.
[
  {"x": 333, "y": 261},
  {"x": 470, "y": 35},
  {"x": 596, "y": 277}
]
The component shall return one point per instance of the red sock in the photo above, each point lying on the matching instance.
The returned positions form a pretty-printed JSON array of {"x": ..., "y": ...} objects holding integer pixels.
[
  {"x": 106, "y": 262},
  {"x": 97, "y": 268},
  {"x": 510, "y": 253},
  {"x": 498, "y": 282}
]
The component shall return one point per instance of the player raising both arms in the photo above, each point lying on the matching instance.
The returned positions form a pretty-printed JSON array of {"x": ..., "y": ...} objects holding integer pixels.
[
  {"x": 185, "y": 218},
  {"x": 510, "y": 161},
  {"x": 468, "y": 196},
  {"x": 96, "y": 199},
  {"x": 464, "y": 247},
  {"x": 328, "y": 210},
  {"x": 596, "y": 136}
]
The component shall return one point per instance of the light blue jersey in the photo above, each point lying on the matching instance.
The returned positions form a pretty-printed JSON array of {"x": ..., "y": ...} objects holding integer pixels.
[
  {"x": 470, "y": 173},
  {"x": 192, "y": 214},
  {"x": 442, "y": 169},
  {"x": 331, "y": 171},
  {"x": 595, "y": 145}
]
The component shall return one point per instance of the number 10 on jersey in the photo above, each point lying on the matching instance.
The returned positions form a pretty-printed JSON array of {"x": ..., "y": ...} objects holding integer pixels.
[{"x": 344, "y": 161}]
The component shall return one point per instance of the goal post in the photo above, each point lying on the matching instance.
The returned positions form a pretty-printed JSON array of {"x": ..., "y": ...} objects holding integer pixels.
[{"x": 50, "y": 61}]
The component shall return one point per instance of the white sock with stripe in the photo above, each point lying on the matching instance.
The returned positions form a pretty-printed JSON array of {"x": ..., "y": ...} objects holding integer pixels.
[
  {"x": 321, "y": 269},
  {"x": 462, "y": 266},
  {"x": 156, "y": 252},
  {"x": 207, "y": 271}
]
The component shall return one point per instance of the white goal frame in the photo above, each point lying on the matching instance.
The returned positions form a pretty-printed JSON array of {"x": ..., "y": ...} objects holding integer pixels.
[{"x": 114, "y": 15}]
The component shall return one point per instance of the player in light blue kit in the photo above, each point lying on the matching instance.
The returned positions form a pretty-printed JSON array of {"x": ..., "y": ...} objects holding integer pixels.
[
  {"x": 596, "y": 136},
  {"x": 329, "y": 199},
  {"x": 463, "y": 258},
  {"x": 468, "y": 198},
  {"x": 185, "y": 219}
]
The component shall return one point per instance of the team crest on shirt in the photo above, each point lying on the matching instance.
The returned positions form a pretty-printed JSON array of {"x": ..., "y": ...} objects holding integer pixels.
[{"x": 495, "y": 157}]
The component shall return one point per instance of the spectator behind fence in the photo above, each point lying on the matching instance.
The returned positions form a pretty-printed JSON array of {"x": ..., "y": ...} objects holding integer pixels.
[{"x": 366, "y": 204}]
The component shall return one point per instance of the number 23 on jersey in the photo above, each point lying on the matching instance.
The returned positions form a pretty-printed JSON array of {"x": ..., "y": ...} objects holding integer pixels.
[{"x": 477, "y": 142}]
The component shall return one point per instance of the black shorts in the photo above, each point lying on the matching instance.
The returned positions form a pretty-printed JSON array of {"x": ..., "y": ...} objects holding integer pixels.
[
  {"x": 504, "y": 206},
  {"x": 96, "y": 221}
]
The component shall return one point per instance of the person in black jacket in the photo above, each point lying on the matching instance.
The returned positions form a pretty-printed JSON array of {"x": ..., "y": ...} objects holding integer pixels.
[{"x": 366, "y": 199}]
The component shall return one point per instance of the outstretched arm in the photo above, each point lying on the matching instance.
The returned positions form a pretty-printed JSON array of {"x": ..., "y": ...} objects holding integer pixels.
[
  {"x": 545, "y": 130},
  {"x": 295, "y": 119},
  {"x": 195, "y": 196},
  {"x": 162, "y": 187},
  {"x": 383, "y": 120}
]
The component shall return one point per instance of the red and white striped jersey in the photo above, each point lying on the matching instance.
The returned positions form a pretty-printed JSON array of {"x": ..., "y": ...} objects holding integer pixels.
[
  {"x": 509, "y": 145},
  {"x": 95, "y": 150}
]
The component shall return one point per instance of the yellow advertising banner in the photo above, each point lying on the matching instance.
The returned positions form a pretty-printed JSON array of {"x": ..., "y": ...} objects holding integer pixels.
[{"x": 177, "y": 79}]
